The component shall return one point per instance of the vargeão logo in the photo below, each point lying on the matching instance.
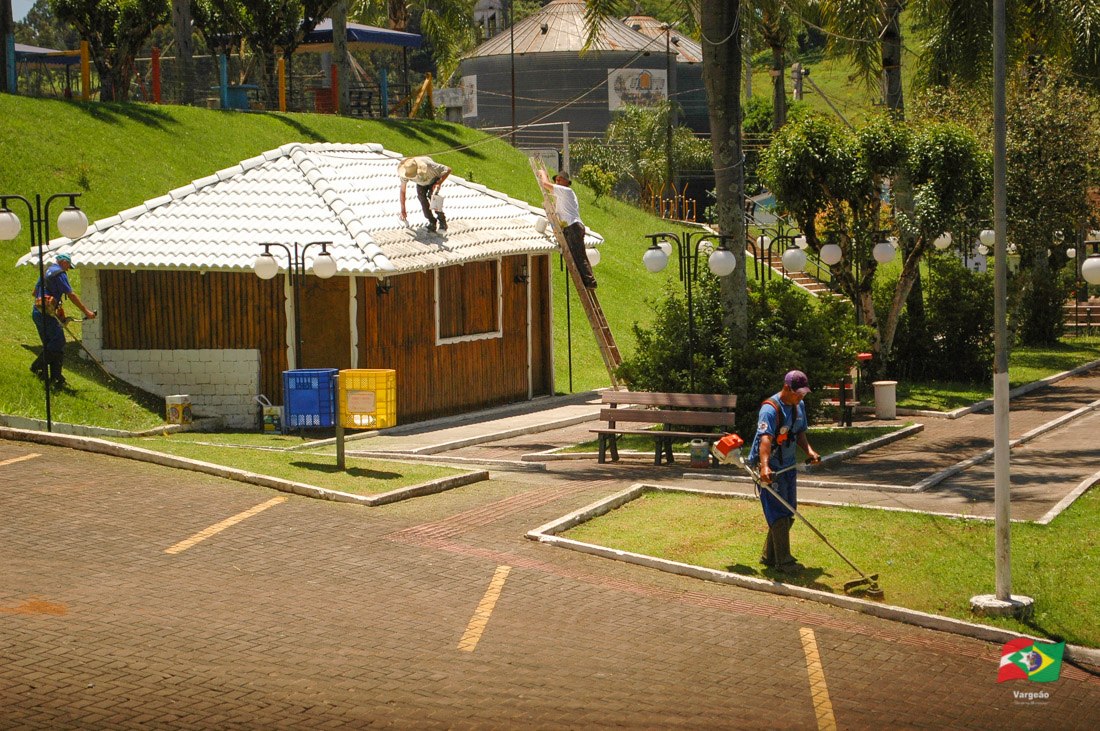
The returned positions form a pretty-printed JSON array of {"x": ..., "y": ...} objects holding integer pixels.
[{"x": 1024, "y": 659}]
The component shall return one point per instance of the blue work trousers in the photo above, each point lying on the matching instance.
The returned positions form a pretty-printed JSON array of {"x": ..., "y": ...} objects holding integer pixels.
[{"x": 786, "y": 485}]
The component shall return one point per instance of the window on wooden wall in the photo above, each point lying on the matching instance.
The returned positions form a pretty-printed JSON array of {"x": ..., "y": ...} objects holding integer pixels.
[{"x": 469, "y": 301}]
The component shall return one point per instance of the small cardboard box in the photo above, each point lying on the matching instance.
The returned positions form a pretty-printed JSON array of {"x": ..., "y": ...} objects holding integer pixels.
[{"x": 271, "y": 417}]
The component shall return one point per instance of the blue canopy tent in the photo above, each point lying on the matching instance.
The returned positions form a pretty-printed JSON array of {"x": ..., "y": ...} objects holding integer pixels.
[
  {"x": 361, "y": 38},
  {"x": 42, "y": 59}
]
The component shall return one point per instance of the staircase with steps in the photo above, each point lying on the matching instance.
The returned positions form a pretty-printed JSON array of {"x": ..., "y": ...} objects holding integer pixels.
[{"x": 804, "y": 280}]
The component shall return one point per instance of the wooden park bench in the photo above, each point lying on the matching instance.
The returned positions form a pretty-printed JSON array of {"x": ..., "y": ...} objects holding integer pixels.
[
  {"x": 682, "y": 416},
  {"x": 842, "y": 397}
]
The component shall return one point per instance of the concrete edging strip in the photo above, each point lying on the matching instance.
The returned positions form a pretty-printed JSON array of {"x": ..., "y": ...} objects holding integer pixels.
[
  {"x": 547, "y": 533},
  {"x": 100, "y": 446}
]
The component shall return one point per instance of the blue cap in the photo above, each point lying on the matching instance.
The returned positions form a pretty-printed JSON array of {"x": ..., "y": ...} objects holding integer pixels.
[{"x": 64, "y": 257}]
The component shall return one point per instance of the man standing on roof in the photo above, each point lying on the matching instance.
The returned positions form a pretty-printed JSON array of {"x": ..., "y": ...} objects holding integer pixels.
[
  {"x": 780, "y": 430},
  {"x": 568, "y": 211},
  {"x": 428, "y": 176},
  {"x": 49, "y": 318}
]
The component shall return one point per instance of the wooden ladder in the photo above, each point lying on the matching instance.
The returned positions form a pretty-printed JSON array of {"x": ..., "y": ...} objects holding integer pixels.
[{"x": 609, "y": 351}]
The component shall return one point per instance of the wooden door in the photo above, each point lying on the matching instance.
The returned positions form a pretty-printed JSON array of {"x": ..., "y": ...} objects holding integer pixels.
[{"x": 325, "y": 322}]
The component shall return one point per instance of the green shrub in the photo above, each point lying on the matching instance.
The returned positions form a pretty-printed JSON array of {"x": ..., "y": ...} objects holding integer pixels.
[
  {"x": 956, "y": 343},
  {"x": 791, "y": 330}
]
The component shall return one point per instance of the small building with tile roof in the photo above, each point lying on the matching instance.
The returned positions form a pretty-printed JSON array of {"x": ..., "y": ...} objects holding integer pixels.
[
  {"x": 463, "y": 317},
  {"x": 556, "y": 78}
]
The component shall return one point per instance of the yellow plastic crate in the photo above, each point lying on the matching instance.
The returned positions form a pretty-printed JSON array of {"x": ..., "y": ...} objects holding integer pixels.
[{"x": 368, "y": 398}]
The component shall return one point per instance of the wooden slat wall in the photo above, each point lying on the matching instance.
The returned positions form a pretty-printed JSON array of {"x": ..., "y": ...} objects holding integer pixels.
[
  {"x": 541, "y": 367},
  {"x": 155, "y": 310},
  {"x": 397, "y": 330}
]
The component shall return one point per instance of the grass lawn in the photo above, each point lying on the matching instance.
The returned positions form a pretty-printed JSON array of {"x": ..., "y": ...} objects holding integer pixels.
[
  {"x": 1025, "y": 365},
  {"x": 266, "y": 455},
  {"x": 824, "y": 440},
  {"x": 929, "y": 563}
]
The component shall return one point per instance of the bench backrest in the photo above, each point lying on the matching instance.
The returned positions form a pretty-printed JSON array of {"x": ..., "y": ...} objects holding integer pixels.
[
  {"x": 679, "y": 400},
  {"x": 679, "y": 418}
]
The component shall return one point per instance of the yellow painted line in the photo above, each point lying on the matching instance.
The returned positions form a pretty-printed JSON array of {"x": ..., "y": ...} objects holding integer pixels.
[
  {"x": 823, "y": 707},
  {"x": 219, "y": 527},
  {"x": 24, "y": 458},
  {"x": 484, "y": 610}
]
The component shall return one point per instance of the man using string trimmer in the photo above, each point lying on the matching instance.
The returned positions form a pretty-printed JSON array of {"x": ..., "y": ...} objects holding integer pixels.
[
  {"x": 780, "y": 430},
  {"x": 49, "y": 318}
]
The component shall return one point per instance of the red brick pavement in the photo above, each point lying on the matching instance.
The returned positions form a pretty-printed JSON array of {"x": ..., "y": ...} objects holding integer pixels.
[{"x": 318, "y": 615}]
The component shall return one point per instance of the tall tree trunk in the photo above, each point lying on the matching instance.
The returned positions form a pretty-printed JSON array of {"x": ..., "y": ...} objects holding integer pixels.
[
  {"x": 398, "y": 12},
  {"x": 779, "y": 89},
  {"x": 340, "y": 56},
  {"x": 891, "y": 60},
  {"x": 185, "y": 51},
  {"x": 721, "y": 38},
  {"x": 7, "y": 28}
]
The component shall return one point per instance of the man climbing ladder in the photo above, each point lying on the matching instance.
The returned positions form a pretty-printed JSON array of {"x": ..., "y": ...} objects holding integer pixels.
[
  {"x": 569, "y": 216},
  {"x": 569, "y": 233}
]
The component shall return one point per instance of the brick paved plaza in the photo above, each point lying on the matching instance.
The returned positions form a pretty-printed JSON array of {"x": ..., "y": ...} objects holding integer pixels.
[{"x": 431, "y": 613}]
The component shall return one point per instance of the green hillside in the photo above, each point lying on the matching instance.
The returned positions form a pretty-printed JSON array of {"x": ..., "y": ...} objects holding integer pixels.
[{"x": 118, "y": 156}]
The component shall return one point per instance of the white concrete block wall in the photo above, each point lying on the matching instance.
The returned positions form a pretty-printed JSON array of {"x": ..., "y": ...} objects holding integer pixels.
[{"x": 219, "y": 382}]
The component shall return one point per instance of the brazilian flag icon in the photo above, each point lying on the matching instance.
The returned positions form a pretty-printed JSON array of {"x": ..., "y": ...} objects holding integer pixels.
[{"x": 1024, "y": 659}]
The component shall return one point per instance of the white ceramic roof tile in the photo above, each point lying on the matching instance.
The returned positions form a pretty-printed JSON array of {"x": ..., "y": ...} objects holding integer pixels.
[{"x": 343, "y": 193}]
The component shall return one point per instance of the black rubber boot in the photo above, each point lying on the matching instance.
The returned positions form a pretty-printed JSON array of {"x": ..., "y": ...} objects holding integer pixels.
[
  {"x": 784, "y": 561},
  {"x": 442, "y": 220},
  {"x": 56, "y": 361},
  {"x": 768, "y": 556},
  {"x": 38, "y": 367}
]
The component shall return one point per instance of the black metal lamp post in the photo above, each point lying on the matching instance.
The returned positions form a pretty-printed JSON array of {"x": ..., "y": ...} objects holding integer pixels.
[
  {"x": 721, "y": 261},
  {"x": 72, "y": 223},
  {"x": 324, "y": 266}
]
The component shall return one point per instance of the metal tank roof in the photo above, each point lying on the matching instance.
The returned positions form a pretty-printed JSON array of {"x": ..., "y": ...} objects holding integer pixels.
[
  {"x": 687, "y": 49},
  {"x": 559, "y": 27}
]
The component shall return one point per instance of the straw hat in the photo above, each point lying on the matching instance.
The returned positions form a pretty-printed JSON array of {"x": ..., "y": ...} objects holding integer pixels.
[{"x": 410, "y": 168}]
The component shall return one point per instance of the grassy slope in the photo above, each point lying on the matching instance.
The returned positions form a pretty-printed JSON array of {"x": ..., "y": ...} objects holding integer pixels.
[{"x": 121, "y": 155}]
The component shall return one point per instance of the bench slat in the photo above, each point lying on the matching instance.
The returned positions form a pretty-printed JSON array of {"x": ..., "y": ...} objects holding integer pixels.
[
  {"x": 688, "y": 400},
  {"x": 660, "y": 434},
  {"x": 653, "y": 416}
]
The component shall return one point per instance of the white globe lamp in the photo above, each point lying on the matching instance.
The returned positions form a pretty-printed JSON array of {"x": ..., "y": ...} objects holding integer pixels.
[
  {"x": 593, "y": 255},
  {"x": 831, "y": 254},
  {"x": 655, "y": 259},
  {"x": 722, "y": 262},
  {"x": 324, "y": 266},
  {"x": 265, "y": 266},
  {"x": 665, "y": 247},
  {"x": 10, "y": 225},
  {"x": 72, "y": 223},
  {"x": 763, "y": 243},
  {"x": 883, "y": 252},
  {"x": 942, "y": 241},
  {"x": 983, "y": 249},
  {"x": 987, "y": 237},
  {"x": 1090, "y": 270},
  {"x": 800, "y": 242},
  {"x": 1071, "y": 253},
  {"x": 794, "y": 260}
]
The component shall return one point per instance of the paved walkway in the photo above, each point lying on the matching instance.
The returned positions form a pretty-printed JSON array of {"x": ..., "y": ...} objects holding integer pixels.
[
  {"x": 134, "y": 596},
  {"x": 1043, "y": 470}
]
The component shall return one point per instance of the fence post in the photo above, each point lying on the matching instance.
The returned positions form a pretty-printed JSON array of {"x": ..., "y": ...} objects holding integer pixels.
[
  {"x": 85, "y": 72},
  {"x": 223, "y": 81},
  {"x": 156, "y": 75},
  {"x": 384, "y": 92},
  {"x": 280, "y": 73}
]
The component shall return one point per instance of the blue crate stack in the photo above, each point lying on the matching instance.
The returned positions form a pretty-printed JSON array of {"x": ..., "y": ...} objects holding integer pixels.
[{"x": 309, "y": 398}]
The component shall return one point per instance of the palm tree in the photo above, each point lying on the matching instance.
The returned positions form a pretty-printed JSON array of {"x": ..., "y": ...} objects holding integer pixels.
[
  {"x": 721, "y": 32},
  {"x": 869, "y": 33},
  {"x": 447, "y": 24}
]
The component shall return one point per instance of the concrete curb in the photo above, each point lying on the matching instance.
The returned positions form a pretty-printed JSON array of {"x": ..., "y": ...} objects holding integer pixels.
[
  {"x": 547, "y": 533},
  {"x": 100, "y": 446},
  {"x": 416, "y": 458},
  {"x": 988, "y": 403},
  {"x": 82, "y": 430}
]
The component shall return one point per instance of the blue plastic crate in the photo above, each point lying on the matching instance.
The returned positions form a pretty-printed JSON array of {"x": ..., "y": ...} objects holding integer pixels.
[{"x": 309, "y": 398}]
